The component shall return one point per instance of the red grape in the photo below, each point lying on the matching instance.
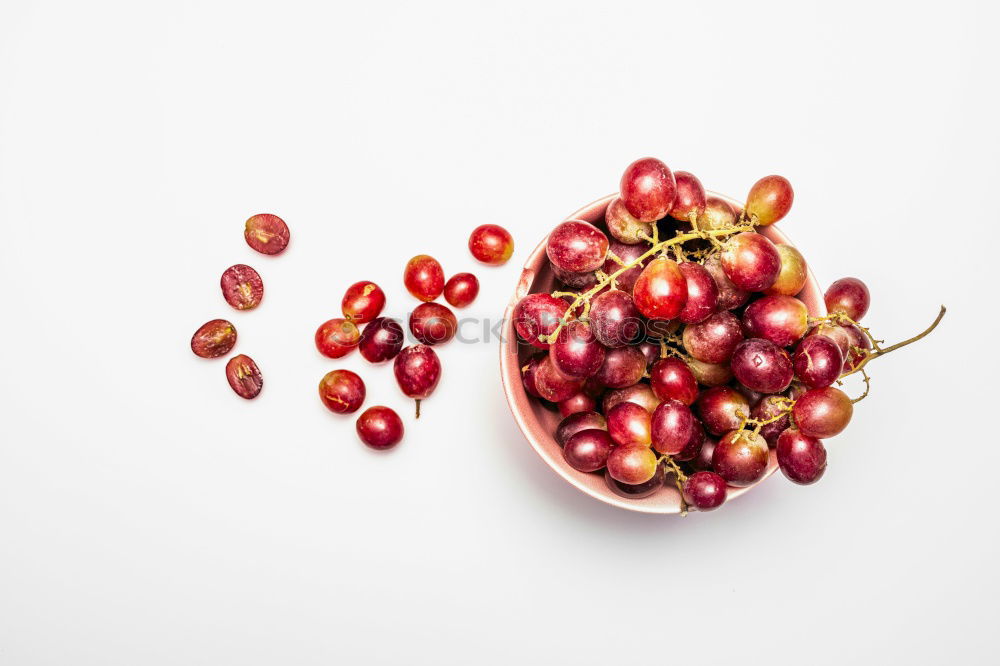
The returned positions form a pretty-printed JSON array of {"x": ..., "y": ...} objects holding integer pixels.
[
  {"x": 640, "y": 394},
  {"x": 690, "y": 196},
  {"x": 673, "y": 427},
  {"x": 715, "y": 339},
  {"x": 671, "y": 378},
  {"x": 631, "y": 464},
  {"x": 574, "y": 423},
  {"x": 583, "y": 280},
  {"x": 266, "y": 233},
  {"x": 834, "y": 332},
  {"x": 363, "y": 302},
  {"x": 719, "y": 214},
  {"x": 769, "y": 200},
  {"x": 703, "y": 460},
  {"x": 577, "y": 246},
  {"x": 622, "y": 367},
  {"x": 651, "y": 350},
  {"x": 417, "y": 369},
  {"x": 692, "y": 449},
  {"x": 424, "y": 277},
  {"x": 859, "y": 346},
  {"x": 379, "y": 428},
  {"x": 762, "y": 366},
  {"x": 381, "y": 340},
  {"x": 623, "y": 226},
  {"x": 576, "y": 351},
  {"x": 740, "y": 458},
  {"x": 660, "y": 292},
  {"x": 433, "y": 323},
  {"x": 639, "y": 490},
  {"x": 342, "y": 391},
  {"x": 628, "y": 254},
  {"x": 614, "y": 319},
  {"x": 705, "y": 491},
  {"x": 823, "y": 412},
  {"x": 817, "y": 361},
  {"x": 628, "y": 424},
  {"x": 793, "y": 273},
  {"x": 528, "y": 374},
  {"x": 730, "y": 296},
  {"x": 552, "y": 385},
  {"x": 588, "y": 450},
  {"x": 801, "y": 458},
  {"x": 536, "y": 315},
  {"x": 848, "y": 296},
  {"x": 722, "y": 409},
  {"x": 244, "y": 376},
  {"x": 337, "y": 337},
  {"x": 581, "y": 402},
  {"x": 214, "y": 338},
  {"x": 461, "y": 289},
  {"x": 769, "y": 407},
  {"x": 781, "y": 319},
  {"x": 242, "y": 287},
  {"x": 710, "y": 374},
  {"x": 491, "y": 244},
  {"x": 648, "y": 189},
  {"x": 702, "y": 293},
  {"x": 751, "y": 261}
]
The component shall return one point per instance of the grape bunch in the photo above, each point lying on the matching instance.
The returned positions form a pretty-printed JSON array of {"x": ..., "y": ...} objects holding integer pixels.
[{"x": 676, "y": 347}]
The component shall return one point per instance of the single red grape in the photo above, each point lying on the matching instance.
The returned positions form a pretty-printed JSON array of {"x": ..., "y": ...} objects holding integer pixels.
[
  {"x": 801, "y": 458},
  {"x": 673, "y": 426},
  {"x": 628, "y": 254},
  {"x": 848, "y": 296},
  {"x": 417, "y": 369},
  {"x": 577, "y": 246},
  {"x": 651, "y": 350},
  {"x": 461, "y": 289},
  {"x": 715, "y": 339},
  {"x": 823, "y": 412},
  {"x": 648, "y": 189},
  {"x": 588, "y": 450},
  {"x": 213, "y": 339},
  {"x": 762, "y": 366},
  {"x": 574, "y": 423},
  {"x": 751, "y": 261},
  {"x": 769, "y": 200},
  {"x": 692, "y": 449},
  {"x": 639, "y": 490},
  {"x": 859, "y": 346},
  {"x": 639, "y": 393},
  {"x": 266, "y": 233},
  {"x": 817, "y": 361},
  {"x": 337, "y": 337},
  {"x": 834, "y": 332},
  {"x": 433, "y": 323},
  {"x": 703, "y": 461},
  {"x": 660, "y": 292},
  {"x": 740, "y": 458},
  {"x": 705, "y": 491},
  {"x": 622, "y": 367},
  {"x": 424, "y": 277},
  {"x": 363, "y": 301},
  {"x": 491, "y": 244},
  {"x": 628, "y": 423},
  {"x": 379, "y": 428},
  {"x": 576, "y": 351},
  {"x": 690, "y": 197},
  {"x": 623, "y": 226},
  {"x": 614, "y": 319},
  {"x": 342, "y": 391},
  {"x": 631, "y": 464},
  {"x": 719, "y": 214},
  {"x": 528, "y": 374},
  {"x": 730, "y": 296},
  {"x": 244, "y": 376},
  {"x": 722, "y": 409},
  {"x": 671, "y": 378},
  {"x": 537, "y": 315},
  {"x": 242, "y": 287},
  {"x": 781, "y": 319},
  {"x": 710, "y": 374},
  {"x": 769, "y": 407},
  {"x": 381, "y": 340},
  {"x": 581, "y": 402},
  {"x": 793, "y": 273},
  {"x": 552, "y": 385}
]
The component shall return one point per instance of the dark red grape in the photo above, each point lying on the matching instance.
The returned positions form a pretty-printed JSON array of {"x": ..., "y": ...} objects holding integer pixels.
[
  {"x": 491, "y": 244},
  {"x": 577, "y": 246},
  {"x": 418, "y": 370},
  {"x": 242, "y": 287},
  {"x": 673, "y": 426},
  {"x": 848, "y": 296},
  {"x": 244, "y": 376},
  {"x": 381, "y": 340},
  {"x": 363, "y": 301},
  {"x": 702, "y": 293},
  {"x": 703, "y": 461},
  {"x": 628, "y": 254},
  {"x": 622, "y": 367},
  {"x": 552, "y": 385},
  {"x": 461, "y": 289},
  {"x": 640, "y": 490},
  {"x": 424, "y": 277},
  {"x": 660, "y": 292},
  {"x": 817, "y": 361},
  {"x": 690, "y": 196},
  {"x": 692, "y": 449},
  {"x": 640, "y": 394},
  {"x": 730, "y": 296},
  {"x": 705, "y": 491},
  {"x": 769, "y": 200},
  {"x": 623, "y": 226},
  {"x": 671, "y": 378},
  {"x": 379, "y": 428},
  {"x": 753, "y": 397},
  {"x": 715, "y": 339},
  {"x": 651, "y": 350},
  {"x": 614, "y": 319},
  {"x": 793, "y": 273},
  {"x": 823, "y": 412},
  {"x": 342, "y": 391},
  {"x": 576, "y": 351},
  {"x": 781, "y": 319},
  {"x": 859, "y": 346},
  {"x": 536, "y": 315},
  {"x": 266, "y": 233},
  {"x": 834, "y": 332},
  {"x": 648, "y": 189},
  {"x": 588, "y": 450},
  {"x": 574, "y": 423},
  {"x": 762, "y": 366},
  {"x": 802, "y": 459},
  {"x": 722, "y": 409},
  {"x": 740, "y": 458},
  {"x": 581, "y": 402},
  {"x": 628, "y": 423},
  {"x": 214, "y": 338},
  {"x": 583, "y": 280},
  {"x": 632, "y": 465},
  {"x": 751, "y": 261},
  {"x": 769, "y": 407},
  {"x": 337, "y": 337},
  {"x": 433, "y": 323},
  {"x": 528, "y": 371}
]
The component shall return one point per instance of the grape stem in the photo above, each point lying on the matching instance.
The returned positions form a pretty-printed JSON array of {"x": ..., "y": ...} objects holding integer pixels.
[
  {"x": 679, "y": 479},
  {"x": 899, "y": 345}
]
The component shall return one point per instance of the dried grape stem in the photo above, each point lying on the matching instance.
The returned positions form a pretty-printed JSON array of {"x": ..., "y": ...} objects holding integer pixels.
[
  {"x": 679, "y": 479},
  {"x": 899, "y": 345}
]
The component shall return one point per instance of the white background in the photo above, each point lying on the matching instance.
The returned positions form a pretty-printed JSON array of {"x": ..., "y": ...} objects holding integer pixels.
[{"x": 149, "y": 516}]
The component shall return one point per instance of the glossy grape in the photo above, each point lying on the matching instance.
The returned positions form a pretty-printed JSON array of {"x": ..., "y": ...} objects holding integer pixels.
[
  {"x": 702, "y": 293},
  {"x": 623, "y": 227},
  {"x": 363, "y": 301},
  {"x": 689, "y": 198},
  {"x": 719, "y": 214},
  {"x": 576, "y": 351},
  {"x": 703, "y": 461},
  {"x": 552, "y": 385},
  {"x": 628, "y": 254},
  {"x": 722, "y": 409},
  {"x": 648, "y": 189},
  {"x": 770, "y": 199},
  {"x": 692, "y": 449},
  {"x": 640, "y": 490},
  {"x": 673, "y": 426},
  {"x": 769, "y": 407},
  {"x": 740, "y": 458},
  {"x": 793, "y": 273},
  {"x": 672, "y": 379},
  {"x": 337, "y": 337},
  {"x": 823, "y": 412},
  {"x": 588, "y": 450},
  {"x": 632, "y": 465},
  {"x": 424, "y": 277},
  {"x": 580, "y": 402},
  {"x": 781, "y": 319},
  {"x": 859, "y": 346},
  {"x": 213, "y": 339},
  {"x": 491, "y": 244},
  {"x": 379, "y": 428},
  {"x": 640, "y": 394},
  {"x": 266, "y": 233},
  {"x": 417, "y": 370},
  {"x": 660, "y": 292},
  {"x": 536, "y": 315},
  {"x": 817, "y": 361},
  {"x": 528, "y": 371},
  {"x": 622, "y": 367},
  {"x": 576, "y": 422},
  {"x": 381, "y": 340},
  {"x": 848, "y": 296},
  {"x": 715, "y": 339},
  {"x": 835, "y": 332},
  {"x": 730, "y": 296},
  {"x": 242, "y": 287},
  {"x": 710, "y": 374},
  {"x": 615, "y": 320},
  {"x": 342, "y": 391},
  {"x": 705, "y": 491},
  {"x": 433, "y": 323},
  {"x": 762, "y": 366},
  {"x": 244, "y": 376},
  {"x": 577, "y": 246},
  {"x": 628, "y": 424},
  {"x": 751, "y": 261},
  {"x": 461, "y": 289},
  {"x": 802, "y": 458},
  {"x": 583, "y": 280}
]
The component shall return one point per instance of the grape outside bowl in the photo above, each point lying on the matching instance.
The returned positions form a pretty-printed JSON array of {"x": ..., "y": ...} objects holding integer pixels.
[{"x": 539, "y": 423}]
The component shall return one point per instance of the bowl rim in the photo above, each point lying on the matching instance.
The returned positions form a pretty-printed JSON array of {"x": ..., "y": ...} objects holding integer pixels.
[{"x": 510, "y": 372}]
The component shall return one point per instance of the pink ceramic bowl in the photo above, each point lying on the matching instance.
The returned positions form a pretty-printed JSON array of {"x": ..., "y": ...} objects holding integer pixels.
[{"x": 538, "y": 423}]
